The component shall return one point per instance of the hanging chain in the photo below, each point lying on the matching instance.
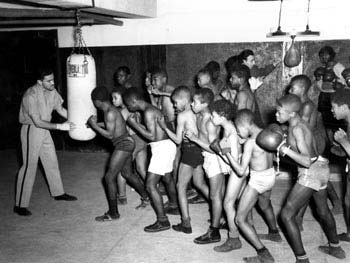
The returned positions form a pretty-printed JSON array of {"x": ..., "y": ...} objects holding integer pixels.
[{"x": 79, "y": 42}]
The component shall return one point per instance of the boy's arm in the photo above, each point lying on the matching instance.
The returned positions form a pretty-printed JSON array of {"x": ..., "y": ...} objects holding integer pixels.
[
  {"x": 177, "y": 138},
  {"x": 303, "y": 156},
  {"x": 307, "y": 112},
  {"x": 241, "y": 168},
  {"x": 161, "y": 93},
  {"x": 110, "y": 125},
  {"x": 341, "y": 137},
  {"x": 149, "y": 131}
]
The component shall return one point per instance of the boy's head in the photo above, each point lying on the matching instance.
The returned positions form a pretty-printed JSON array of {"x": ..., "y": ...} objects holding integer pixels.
[
  {"x": 221, "y": 110},
  {"x": 239, "y": 76},
  {"x": 247, "y": 57},
  {"x": 100, "y": 96},
  {"x": 132, "y": 99},
  {"x": 117, "y": 96},
  {"x": 121, "y": 76},
  {"x": 244, "y": 121},
  {"x": 299, "y": 85},
  {"x": 202, "y": 99},
  {"x": 326, "y": 54},
  {"x": 159, "y": 78},
  {"x": 181, "y": 98},
  {"x": 214, "y": 69},
  {"x": 204, "y": 78},
  {"x": 340, "y": 101},
  {"x": 287, "y": 107}
]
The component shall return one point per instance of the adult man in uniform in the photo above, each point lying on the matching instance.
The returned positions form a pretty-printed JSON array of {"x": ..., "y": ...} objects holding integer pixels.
[{"x": 35, "y": 116}]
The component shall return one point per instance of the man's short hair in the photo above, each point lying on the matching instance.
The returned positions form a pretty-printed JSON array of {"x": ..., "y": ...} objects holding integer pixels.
[
  {"x": 214, "y": 69},
  {"x": 245, "y": 54},
  {"x": 232, "y": 62},
  {"x": 329, "y": 50},
  {"x": 43, "y": 72},
  {"x": 132, "y": 93},
  {"x": 100, "y": 93},
  {"x": 291, "y": 102},
  {"x": 125, "y": 69},
  {"x": 303, "y": 80},
  {"x": 205, "y": 95},
  {"x": 341, "y": 97},
  {"x": 241, "y": 71},
  {"x": 244, "y": 116},
  {"x": 223, "y": 108},
  {"x": 182, "y": 92}
]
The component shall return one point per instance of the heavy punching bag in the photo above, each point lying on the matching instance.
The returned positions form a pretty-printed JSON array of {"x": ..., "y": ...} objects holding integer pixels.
[
  {"x": 293, "y": 56},
  {"x": 81, "y": 80}
]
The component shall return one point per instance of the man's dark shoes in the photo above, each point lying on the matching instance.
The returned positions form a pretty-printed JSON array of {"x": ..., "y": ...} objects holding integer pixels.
[
  {"x": 65, "y": 197},
  {"x": 212, "y": 236},
  {"x": 181, "y": 228},
  {"x": 158, "y": 226},
  {"x": 21, "y": 211},
  {"x": 198, "y": 199}
]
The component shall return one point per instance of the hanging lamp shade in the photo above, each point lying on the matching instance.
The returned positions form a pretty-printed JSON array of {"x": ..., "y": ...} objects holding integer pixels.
[
  {"x": 278, "y": 32},
  {"x": 307, "y": 31}
]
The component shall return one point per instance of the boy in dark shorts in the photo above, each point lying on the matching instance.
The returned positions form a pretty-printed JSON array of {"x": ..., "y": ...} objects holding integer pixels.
[
  {"x": 120, "y": 160},
  {"x": 191, "y": 162}
]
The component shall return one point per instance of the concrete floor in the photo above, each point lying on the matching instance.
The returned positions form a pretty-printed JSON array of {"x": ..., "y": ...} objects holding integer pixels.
[{"x": 66, "y": 232}]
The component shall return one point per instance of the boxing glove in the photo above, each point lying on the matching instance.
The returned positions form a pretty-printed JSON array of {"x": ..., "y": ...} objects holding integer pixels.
[
  {"x": 270, "y": 138},
  {"x": 329, "y": 76},
  {"x": 225, "y": 146},
  {"x": 283, "y": 148},
  {"x": 319, "y": 72},
  {"x": 215, "y": 146},
  {"x": 346, "y": 76}
]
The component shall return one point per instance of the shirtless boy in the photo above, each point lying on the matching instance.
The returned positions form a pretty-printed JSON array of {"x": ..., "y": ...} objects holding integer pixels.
[
  {"x": 213, "y": 165},
  {"x": 313, "y": 175},
  {"x": 163, "y": 155},
  {"x": 120, "y": 160},
  {"x": 191, "y": 162}
]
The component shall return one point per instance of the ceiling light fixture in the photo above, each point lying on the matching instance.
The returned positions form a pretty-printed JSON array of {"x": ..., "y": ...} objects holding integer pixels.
[
  {"x": 307, "y": 31},
  {"x": 278, "y": 32}
]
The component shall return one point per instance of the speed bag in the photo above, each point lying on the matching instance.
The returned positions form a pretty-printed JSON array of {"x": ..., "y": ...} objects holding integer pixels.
[
  {"x": 293, "y": 56},
  {"x": 81, "y": 80}
]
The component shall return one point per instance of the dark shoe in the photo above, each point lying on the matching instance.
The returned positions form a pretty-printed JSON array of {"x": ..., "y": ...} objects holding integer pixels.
[
  {"x": 262, "y": 257},
  {"x": 191, "y": 193},
  {"x": 344, "y": 237},
  {"x": 181, "y": 228},
  {"x": 229, "y": 245},
  {"x": 122, "y": 200},
  {"x": 306, "y": 260},
  {"x": 21, "y": 211},
  {"x": 197, "y": 199},
  {"x": 144, "y": 203},
  {"x": 337, "y": 252},
  {"x": 275, "y": 237},
  {"x": 107, "y": 217},
  {"x": 65, "y": 197},
  {"x": 172, "y": 210},
  {"x": 212, "y": 236},
  {"x": 157, "y": 226}
]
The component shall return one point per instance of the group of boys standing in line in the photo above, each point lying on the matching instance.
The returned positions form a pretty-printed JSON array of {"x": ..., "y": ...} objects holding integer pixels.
[{"x": 217, "y": 131}]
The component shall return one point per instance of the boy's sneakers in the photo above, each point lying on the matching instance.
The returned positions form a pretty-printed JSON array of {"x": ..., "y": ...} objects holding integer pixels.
[
  {"x": 212, "y": 236},
  {"x": 158, "y": 226},
  {"x": 229, "y": 245},
  {"x": 337, "y": 251},
  {"x": 107, "y": 217},
  {"x": 65, "y": 197},
  {"x": 181, "y": 228}
]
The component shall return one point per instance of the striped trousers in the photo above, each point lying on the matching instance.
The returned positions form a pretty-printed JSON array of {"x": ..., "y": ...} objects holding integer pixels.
[{"x": 37, "y": 143}]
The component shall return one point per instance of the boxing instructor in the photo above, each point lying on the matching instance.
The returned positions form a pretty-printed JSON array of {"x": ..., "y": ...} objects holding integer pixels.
[{"x": 38, "y": 102}]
